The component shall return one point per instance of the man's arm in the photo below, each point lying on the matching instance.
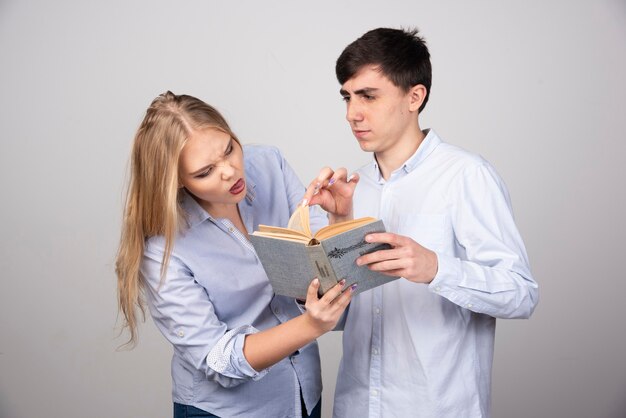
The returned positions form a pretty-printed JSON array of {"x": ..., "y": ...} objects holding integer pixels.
[{"x": 489, "y": 273}]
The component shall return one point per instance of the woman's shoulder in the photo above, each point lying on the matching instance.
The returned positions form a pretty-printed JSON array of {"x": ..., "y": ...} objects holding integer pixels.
[
  {"x": 262, "y": 158},
  {"x": 261, "y": 152}
]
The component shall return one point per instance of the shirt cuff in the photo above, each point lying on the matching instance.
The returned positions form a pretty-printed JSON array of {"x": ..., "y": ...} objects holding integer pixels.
[
  {"x": 447, "y": 279},
  {"x": 227, "y": 359}
]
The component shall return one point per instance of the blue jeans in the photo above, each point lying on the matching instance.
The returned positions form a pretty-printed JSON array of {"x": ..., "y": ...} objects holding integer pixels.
[{"x": 188, "y": 411}]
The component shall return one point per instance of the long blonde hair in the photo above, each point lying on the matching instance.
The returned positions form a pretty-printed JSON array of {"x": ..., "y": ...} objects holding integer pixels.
[{"x": 153, "y": 198}]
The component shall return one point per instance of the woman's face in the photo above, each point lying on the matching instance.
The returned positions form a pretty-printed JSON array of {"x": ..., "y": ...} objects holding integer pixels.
[{"x": 211, "y": 169}]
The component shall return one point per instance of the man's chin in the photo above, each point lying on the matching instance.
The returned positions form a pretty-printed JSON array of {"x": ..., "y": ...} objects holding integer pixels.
[{"x": 366, "y": 146}]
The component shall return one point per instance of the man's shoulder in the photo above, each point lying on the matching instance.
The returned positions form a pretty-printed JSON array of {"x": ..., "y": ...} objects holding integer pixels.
[{"x": 459, "y": 155}]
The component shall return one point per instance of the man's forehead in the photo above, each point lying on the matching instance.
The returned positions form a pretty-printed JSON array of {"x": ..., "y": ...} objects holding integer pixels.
[{"x": 367, "y": 78}]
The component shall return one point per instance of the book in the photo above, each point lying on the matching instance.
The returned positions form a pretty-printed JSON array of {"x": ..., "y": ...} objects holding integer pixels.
[{"x": 294, "y": 255}]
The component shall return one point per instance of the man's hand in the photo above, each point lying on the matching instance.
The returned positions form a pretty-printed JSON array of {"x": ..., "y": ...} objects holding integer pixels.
[{"x": 406, "y": 258}]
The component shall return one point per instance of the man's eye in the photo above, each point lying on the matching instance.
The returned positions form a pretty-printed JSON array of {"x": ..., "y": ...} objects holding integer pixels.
[
  {"x": 345, "y": 98},
  {"x": 368, "y": 97}
]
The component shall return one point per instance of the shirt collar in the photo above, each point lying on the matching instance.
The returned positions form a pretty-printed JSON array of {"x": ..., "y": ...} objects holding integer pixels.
[
  {"x": 428, "y": 145},
  {"x": 196, "y": 214}
]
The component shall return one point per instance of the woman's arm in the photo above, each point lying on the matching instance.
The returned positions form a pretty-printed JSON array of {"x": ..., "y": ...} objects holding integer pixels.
[{"x": 268, "y": 347}]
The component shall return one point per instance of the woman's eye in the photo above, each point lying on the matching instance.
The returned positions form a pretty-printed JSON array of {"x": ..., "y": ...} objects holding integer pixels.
[{"x": 204, "y": 173}]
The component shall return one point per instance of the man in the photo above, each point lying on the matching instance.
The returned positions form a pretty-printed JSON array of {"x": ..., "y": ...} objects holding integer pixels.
[{"x": 421, "y": 346}]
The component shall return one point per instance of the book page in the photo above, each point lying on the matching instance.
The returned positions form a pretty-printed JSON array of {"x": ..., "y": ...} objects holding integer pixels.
[
  {"x": 282, "y": 233},
  {"x": 299, "y": 221},
  {"x": 339, "y": 227}
]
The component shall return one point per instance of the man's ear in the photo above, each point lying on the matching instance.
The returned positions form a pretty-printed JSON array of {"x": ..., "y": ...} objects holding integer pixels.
[{"x": 417, "y": 95}]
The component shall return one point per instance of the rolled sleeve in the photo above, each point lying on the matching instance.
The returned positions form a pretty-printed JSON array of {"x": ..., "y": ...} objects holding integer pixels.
[{"x": 227, "y": 360}]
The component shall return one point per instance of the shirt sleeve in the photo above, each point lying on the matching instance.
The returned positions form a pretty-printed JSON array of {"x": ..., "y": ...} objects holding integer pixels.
[
  {"x": 492, "y": 274},
  {"x": 184, "y": 314}
]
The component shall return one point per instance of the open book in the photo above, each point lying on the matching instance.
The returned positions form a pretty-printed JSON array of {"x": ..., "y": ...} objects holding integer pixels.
[{"x": 293, "y": 256}]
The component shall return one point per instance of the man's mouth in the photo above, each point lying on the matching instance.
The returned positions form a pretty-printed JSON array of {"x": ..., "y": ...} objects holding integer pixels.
[{"x": 360, "y": 133}]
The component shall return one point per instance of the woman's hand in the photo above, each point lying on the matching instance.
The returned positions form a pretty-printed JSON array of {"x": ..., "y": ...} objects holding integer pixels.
[
  {"x": 333, "y": 191},
  {"x": 324, "y": 313},
  {"x": 262, "y": 349}
]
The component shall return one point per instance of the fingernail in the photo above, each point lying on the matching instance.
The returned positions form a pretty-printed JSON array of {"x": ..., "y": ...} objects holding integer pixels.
[
  {"x": 353, "y": 287},
  {"x": 331, "y": 182},
  {"x": 368, "y": 238},
  {"x": 316, "y": 189},
  {"x": 304, "y": 202},
  {"x": 316, "y": 281},
  {"x": 350, "y": 178},
  {"x": 342, "y": 282},
  {"x": 358, "y": 262}
]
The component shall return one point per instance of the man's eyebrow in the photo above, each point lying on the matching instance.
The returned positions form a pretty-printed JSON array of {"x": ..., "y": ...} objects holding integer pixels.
[
  {"x": 360, "y": 92},
  {"x": 365, "y": 91}
]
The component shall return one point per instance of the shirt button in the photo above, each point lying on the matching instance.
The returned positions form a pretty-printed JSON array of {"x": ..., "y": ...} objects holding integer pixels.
[
  {"x": 374, "y": 392},
  {"x": 438, "y": 288},
  {"x": 377, "y": 310},
  {"x": 469, "y": 305},
  {"x": 375, "y": 351},
  {"x": 231, "y": 229},
  {"x": 181, "y": 333}
]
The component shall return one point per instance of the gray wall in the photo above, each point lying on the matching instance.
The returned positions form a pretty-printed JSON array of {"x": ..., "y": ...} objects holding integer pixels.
[{"x": 536, "y": 87}]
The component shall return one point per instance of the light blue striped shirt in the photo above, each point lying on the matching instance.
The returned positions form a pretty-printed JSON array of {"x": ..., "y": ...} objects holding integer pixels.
[
  {"x": 416, "y": 350},
  {"x": 215, "y": 292}
]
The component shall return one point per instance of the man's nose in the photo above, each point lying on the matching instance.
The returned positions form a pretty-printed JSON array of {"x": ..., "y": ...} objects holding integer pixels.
[{"x": 353, "y": 112}]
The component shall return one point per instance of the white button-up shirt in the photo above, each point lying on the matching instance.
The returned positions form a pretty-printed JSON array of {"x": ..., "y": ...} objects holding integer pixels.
[{"x": 416, "y": 350}]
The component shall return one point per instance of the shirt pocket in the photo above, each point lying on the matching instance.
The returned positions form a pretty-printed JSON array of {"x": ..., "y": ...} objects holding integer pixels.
[{"x": 428, "y": 230}]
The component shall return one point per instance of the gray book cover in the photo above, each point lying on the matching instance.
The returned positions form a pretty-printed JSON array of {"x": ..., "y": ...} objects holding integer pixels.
[{"x": 291, "y": 265}]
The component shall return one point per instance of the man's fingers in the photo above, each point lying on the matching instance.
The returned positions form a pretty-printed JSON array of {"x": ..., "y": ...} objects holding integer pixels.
[
  {"x": 378, "y": 256},
  {"x": 385, "y": 237},
  {"x": 387, "y": 266}
]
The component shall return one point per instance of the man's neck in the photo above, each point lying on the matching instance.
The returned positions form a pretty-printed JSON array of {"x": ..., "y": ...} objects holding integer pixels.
[{"x": 393, "y": 158}]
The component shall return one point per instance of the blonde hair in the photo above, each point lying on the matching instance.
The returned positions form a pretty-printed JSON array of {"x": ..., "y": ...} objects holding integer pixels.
[{"x": 153, "y": 198}]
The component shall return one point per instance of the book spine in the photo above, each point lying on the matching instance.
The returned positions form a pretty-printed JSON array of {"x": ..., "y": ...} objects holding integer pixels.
[{"x": 321, "y": 265}]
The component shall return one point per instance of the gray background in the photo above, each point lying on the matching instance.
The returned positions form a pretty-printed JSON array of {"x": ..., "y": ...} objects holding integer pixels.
[{"x": 536, "y": 87}]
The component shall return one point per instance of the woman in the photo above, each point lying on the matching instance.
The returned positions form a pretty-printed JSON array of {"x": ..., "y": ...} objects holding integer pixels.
[{"x": 194, "y": 196}]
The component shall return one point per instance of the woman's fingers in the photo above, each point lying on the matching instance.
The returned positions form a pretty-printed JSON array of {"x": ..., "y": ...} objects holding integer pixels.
[
  {"x": 311, "y": 292},
  {"x": 333, "y": 292}
]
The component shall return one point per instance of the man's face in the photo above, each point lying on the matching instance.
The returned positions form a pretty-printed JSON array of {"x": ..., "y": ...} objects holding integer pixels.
[{"x": 379, "y": 112}]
